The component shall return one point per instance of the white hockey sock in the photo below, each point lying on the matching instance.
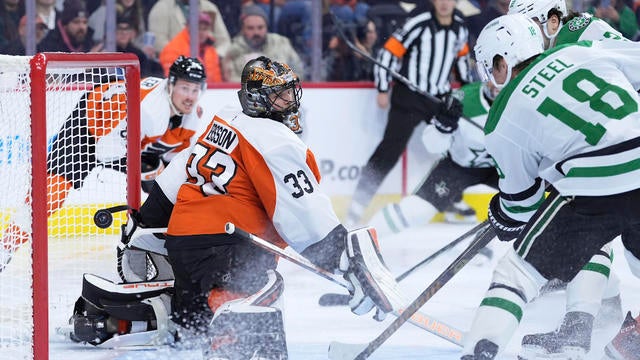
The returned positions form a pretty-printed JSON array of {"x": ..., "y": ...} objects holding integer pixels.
[
  {"x": 585, "y": 291},
  {"x": 411, "y": 211}
]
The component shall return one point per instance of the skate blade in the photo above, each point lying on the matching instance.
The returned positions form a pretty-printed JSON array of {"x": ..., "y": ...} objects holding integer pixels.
[{"x": 540, "y": 353}]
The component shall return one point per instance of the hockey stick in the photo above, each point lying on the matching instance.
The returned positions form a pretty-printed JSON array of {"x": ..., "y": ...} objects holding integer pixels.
[
  {"x": 331, "y": 299},
  {"x": 421, "y": 320},
  {"x": 392, "y": 72},
  {"x": 342, "y": 351}
]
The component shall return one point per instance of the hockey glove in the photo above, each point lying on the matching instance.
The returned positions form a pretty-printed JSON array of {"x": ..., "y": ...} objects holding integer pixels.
[
  {"x": 141, "y": 255},
  {"x": 152, "y": 166},
  {"x": 373, "y": 284},
  {"x": 506, "y": 228},
  {"x": 446, "y": 120}
]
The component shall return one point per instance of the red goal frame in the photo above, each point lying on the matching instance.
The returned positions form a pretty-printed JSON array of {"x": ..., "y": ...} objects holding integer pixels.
[{"x": 39, "y": 64}]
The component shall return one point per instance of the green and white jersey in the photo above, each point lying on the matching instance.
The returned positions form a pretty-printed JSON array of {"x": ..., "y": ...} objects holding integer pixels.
[
  {"x": 586, "y": 27},
  {"x": 570, "y": 118},
  {"x": 467, "y": 146}
]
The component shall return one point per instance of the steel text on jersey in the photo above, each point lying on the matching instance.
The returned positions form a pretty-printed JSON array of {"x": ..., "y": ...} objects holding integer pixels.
[{"x": 543, "y": 76}]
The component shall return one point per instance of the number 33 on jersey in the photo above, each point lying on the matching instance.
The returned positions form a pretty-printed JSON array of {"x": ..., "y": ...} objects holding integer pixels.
[{"x": 256, "y": 173}]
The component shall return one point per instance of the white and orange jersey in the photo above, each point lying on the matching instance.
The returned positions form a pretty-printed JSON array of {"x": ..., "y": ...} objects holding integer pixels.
[
  {"x": 256, "y": 173},
  {"x": 156, "y": 134}
]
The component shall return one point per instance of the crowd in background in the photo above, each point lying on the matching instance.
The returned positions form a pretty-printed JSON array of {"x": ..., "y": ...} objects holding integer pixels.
[{"x": 232, "y": 31}]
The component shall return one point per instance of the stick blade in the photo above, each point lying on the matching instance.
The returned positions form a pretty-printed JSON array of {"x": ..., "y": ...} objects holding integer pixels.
[
  {"x": 331, "y": 299},
  {"x": 343, "y": 351}
]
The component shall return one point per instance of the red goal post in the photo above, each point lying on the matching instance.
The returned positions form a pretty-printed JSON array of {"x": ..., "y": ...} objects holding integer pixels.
[{"x": 58, "y": 165}]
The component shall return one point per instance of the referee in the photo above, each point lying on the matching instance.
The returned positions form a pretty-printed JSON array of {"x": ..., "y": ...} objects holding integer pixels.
[{"x": 424, "y": 50}]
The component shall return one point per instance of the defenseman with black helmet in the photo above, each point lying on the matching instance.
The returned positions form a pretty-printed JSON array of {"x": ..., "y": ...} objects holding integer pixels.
[{"x": 248, "y": 167}]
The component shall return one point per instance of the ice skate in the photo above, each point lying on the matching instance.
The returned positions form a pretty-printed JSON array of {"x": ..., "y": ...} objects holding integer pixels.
[
  {"x": 571, "y": 341},
  {"x": 460, "y": 213},
  {"x": 626, "y": 345},
  {"x": 484, "y": 350}
]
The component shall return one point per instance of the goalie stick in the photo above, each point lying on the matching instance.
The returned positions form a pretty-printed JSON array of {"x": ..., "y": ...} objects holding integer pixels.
[
  {"x": 341, "y": 351},
  {"x": 331, "y": 299},
  {"x": 421, "y": 320},
  {"x": 392, "y": 72}
]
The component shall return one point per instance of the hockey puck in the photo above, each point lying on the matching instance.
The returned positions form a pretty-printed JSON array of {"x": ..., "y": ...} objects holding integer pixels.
[{"x": 103, "y": 218}]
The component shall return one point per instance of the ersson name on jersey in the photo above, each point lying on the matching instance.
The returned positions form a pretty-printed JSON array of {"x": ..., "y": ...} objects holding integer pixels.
[{"x": 222, "y": 136}]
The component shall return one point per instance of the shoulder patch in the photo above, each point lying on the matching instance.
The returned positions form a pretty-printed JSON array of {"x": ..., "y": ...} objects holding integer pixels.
[
  {"x": 222, "y": 137},
  {"x": 578, "y": 23},
  {"x": 149, "y": 83}
]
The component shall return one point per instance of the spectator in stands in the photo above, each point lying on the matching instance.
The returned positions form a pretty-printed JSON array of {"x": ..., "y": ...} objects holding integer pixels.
[
  {"x": 168, "y": 17},
  {"x": 349, "y": 10},
  {"x": 255, "y": 40},
  {"x": 343, "y": 64},
  {"x": 126, "y": 8},
  {"x": 617, "y": 14},
  {"x": 8, "y": 33},
  {"x": 476, "y": 23},
  {"x": 71, "y": 34},
  {"x": 207, "y": 54},
  {"x": 294, "y": 22},
  {"x": 230, "y": 12},
  {"x": 126, "y": 32},
  {"x": 47, "y": 11},
  {"x": 18, "y": 45},
  {"x": 274, "y": 17}
]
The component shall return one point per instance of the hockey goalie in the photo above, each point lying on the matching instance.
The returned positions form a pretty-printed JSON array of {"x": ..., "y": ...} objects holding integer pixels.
[{"x": 190, "y": 284}]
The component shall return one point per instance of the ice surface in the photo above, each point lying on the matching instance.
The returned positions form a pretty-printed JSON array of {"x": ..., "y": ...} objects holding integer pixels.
[{"x": 310, "y": 328}]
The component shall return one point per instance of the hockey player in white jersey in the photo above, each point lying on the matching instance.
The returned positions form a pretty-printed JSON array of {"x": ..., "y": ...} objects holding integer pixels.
[
  {"x": 248, "y": 167},
  {"x": 95, "y": 132},
  {"x": 464, "y": 164},
  {"x": 567, "y": 117},
  {"x": 559, "y": 27}
]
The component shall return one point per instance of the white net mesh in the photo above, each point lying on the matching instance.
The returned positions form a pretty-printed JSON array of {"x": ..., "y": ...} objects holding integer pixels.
[{"x": 86, "y": 129}]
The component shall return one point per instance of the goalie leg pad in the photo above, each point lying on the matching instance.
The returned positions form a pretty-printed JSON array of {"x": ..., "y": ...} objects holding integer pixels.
[
  {"x": 368, "y": 273},
  {"x": 115, "y": 315},
  {"x": 250, "y": 327},
  {"x": 138, "y": 265}
]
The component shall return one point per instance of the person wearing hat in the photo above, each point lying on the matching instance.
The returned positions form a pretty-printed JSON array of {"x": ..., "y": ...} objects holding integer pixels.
[
  {"x": 71, "y": 34},
  {"x": 207, "y": 52},
  {"x": 17, "y": 46},
  {"x": 168, "y": 17},
  {"x": 255, "y": 40},
  {"x": 126, "y": 32}
]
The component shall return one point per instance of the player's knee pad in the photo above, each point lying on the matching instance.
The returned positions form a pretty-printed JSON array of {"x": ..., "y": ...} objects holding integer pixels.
[
  {"x": 251, "y": 327},
  {"x": 116, "y": 315},
  {"x": 518, "y": 275}
]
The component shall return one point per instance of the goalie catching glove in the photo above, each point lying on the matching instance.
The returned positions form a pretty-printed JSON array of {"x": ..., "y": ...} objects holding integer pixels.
[
  {"x": 506, "y": 228},
  {"x": 141, "y": 254},
  {"x": 373, "y": 284}
]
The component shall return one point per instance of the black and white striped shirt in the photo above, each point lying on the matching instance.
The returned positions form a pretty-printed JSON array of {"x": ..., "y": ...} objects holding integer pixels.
[{"x": 424, "y": 52}]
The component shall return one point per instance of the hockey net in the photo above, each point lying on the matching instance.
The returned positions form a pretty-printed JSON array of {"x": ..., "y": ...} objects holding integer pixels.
[{"x": 65, "y": 126}]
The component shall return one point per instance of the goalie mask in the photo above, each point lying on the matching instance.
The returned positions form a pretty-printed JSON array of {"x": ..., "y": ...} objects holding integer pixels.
[
  {"x": 540, "y": 10},
  {"x": 270, "y": 89},
  {"x": 514, "y": 37}
]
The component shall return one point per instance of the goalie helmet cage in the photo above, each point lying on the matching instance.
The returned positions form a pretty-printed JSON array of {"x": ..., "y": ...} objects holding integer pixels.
[{"x": 49, "y": 236}]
